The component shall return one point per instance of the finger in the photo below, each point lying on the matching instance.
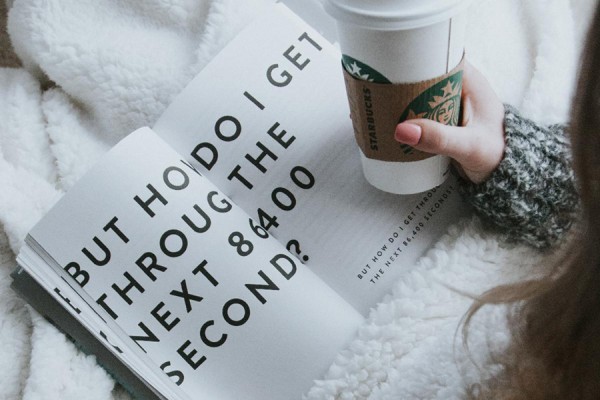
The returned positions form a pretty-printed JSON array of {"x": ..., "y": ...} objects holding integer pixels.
[
  {"x": 479, "y": 92},
  {"x": 434, "y": 137},
  {"x": 475, "y": 84}
]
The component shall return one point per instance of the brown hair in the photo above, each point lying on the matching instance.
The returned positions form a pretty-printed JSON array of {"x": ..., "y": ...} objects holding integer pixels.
[{"x": 555, "y": 321}]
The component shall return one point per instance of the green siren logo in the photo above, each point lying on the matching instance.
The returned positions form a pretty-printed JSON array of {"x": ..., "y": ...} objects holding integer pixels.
[
  {"x": 362, "y": 71},
  {"x": 440, "y": 103}
]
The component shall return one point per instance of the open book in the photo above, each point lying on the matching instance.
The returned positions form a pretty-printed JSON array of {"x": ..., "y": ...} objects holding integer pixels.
[{"x": 232, "y": 250}]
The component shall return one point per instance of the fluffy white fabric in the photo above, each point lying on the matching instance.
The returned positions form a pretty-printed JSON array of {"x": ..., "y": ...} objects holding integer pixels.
[{"x": 117, "y": 65}]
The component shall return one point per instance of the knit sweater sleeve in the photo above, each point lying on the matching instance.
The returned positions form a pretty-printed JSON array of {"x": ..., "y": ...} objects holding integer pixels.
[{"x": 532, "y": 195}]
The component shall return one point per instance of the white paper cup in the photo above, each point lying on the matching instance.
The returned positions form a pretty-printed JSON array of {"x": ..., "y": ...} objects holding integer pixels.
[{"x": 405, "y": 42}]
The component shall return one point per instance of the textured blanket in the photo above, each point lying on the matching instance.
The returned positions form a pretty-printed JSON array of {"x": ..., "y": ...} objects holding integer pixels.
[{"x": 94, "y": 70}]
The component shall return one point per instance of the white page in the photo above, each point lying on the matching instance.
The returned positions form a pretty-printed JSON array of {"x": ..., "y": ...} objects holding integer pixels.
[
  {"x": 358, "y": 239},
  {"x": 313, "y": 13},
  {"x": 191, "y": 293}
]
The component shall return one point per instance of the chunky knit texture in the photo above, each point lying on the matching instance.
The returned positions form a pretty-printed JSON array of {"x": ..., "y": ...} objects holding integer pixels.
[{"x": 532, "y": 195}]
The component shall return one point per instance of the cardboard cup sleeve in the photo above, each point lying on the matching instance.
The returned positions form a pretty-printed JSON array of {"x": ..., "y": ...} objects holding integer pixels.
[{"x": 376, "y": 109}]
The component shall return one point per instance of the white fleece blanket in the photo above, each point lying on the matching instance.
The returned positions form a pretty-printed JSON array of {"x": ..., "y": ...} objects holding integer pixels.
[{"x": 116, "y": 65}]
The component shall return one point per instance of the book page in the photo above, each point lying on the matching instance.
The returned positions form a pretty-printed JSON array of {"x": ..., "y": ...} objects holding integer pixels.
[
  {"x": 275, "y": 135},
  {"x": 189, "y": 281}
]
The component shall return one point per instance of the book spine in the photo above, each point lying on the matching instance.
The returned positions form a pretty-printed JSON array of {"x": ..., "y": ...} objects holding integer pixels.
[{"x": 32, "y": 292}]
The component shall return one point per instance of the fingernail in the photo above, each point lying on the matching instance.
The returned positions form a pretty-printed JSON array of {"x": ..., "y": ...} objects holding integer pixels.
[{"x": 408, "y": 133}]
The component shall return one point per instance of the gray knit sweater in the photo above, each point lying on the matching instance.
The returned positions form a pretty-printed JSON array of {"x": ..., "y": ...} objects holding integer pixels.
[{"x": 531, "y": 196}]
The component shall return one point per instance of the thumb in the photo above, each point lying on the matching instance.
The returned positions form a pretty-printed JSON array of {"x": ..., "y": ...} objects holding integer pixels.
[{"x": 433, "y": 137}]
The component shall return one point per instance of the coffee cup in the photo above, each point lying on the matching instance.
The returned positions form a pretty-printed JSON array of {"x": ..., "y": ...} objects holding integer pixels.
[{"x": 401, "y": 59}]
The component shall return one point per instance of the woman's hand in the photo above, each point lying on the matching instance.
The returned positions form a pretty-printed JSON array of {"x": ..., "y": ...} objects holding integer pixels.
[{"x": 478, "y": 145}]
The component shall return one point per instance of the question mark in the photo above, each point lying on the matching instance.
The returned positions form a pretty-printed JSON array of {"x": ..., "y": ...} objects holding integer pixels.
[{"x": 294, "y": 244}]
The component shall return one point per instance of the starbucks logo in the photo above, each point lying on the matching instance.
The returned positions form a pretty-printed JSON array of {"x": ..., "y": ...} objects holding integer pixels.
[
  {"x": 362, "y": 71},
  {"x": 440, "y": 102}
]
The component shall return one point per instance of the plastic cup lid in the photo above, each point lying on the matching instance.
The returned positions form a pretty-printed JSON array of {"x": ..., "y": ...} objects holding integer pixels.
[{"x": 393, "y": 14}]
